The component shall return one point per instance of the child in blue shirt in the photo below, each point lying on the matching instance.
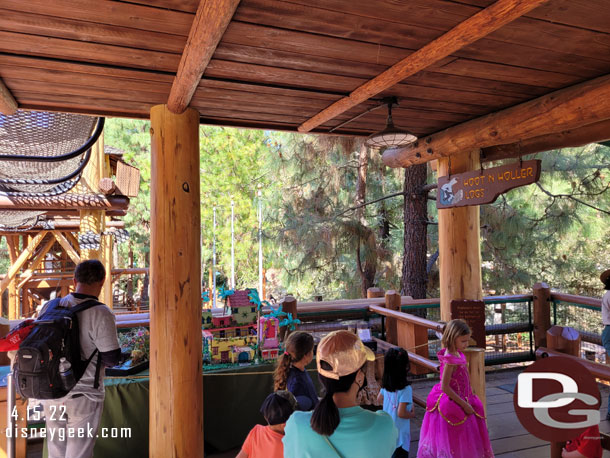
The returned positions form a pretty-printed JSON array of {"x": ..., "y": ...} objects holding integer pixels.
[{"x": 397, "y": 397}]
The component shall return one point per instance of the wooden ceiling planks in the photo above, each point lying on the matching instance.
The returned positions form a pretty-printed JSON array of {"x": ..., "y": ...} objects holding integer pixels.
[
  {"x": 282, "y": 60},
  {"x": 341, "y": 24}
]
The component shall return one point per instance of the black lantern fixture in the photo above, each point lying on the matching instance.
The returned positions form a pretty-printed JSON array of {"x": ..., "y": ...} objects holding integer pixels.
[{"x": 391, "y": 136}]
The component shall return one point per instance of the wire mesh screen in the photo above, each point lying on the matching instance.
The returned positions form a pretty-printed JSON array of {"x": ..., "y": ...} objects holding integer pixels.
[
  {"x": 35, "y": 134},
  {"x": 508, "y": 331},
  {"x": 587, "y": 320},
  {"x": 14, "y": 219}
]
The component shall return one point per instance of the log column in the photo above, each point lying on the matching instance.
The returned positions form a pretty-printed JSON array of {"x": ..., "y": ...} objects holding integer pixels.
[
  {"x": 392, "y": 302},
  {"x": 176, "y": 382},
  {"x": 542, "y": 313},
  {"x": 459, "y": 242},
  {"x": 95, "y": 220}
]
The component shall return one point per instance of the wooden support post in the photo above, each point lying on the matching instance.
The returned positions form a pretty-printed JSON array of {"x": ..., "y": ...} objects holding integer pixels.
[
  {"x": 392, "y": 302},
  {"x": 95, "y": 220},
  {"x": 13, "y": 300},
  {"x": 542, "y": 313},
  {"x": 176, "y": 380},
  {"x": 374, "y": 292},
  {"x": 459, "y": 242},
  {"x": 289, "y": 305},
  {"x": 476, "y": 372},
  {"x": 19, "y": 262}
]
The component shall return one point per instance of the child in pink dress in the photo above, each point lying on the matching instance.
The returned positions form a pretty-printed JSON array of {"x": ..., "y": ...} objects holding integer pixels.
[{"x": 454, "y": 424}]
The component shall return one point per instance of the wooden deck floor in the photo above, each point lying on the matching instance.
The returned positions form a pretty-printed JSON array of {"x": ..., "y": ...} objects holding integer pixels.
[{"x": 508, "y": 438}]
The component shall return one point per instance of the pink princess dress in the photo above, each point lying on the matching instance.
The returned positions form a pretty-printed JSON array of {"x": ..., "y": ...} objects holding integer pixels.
[{"x": 447, "y": 432}]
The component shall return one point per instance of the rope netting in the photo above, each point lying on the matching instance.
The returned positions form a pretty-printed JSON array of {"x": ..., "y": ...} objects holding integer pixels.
[{"x": 42, "y": 154}]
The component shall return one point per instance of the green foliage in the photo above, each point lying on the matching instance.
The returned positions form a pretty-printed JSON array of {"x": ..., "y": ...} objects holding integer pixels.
[
  {"x": 315, "y": 239},
  {"x": 530, "y": 236},
  {"x": 233, "y": 167},
  {"x": 310, "y": 244}
]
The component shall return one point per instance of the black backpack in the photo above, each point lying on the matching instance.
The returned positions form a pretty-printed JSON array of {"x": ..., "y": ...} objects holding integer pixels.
[{"x": 55, "y": 335}]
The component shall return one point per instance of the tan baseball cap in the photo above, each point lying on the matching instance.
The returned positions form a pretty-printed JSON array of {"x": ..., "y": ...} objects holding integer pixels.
[{"x": 344, "y": 352}]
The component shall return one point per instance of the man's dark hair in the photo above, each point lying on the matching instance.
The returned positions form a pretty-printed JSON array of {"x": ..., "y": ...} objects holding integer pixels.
[
  {"x": 607, "y": 283},
  {"x": 90, "y": 272}
]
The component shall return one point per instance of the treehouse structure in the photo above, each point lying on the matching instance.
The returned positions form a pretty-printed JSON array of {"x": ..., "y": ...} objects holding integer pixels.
[{"x": 475, "y": 81}]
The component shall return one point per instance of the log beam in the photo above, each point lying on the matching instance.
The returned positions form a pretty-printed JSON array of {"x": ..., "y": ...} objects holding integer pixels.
[
  {"x": 459, "y": 242},
  {"x": 591, "y": 133},
  {"x": 8, "y": 104},
  {"x": 29, "y": 273},
  {"x": 570, "y": 108},
  {"x": 176, "y": 381},
  {"x": 65, "y": 202},
  {"x": 68, "y": 248},
  {"x": 20, "y": 261},
  {"x": 472, "y": 29},
  {"x": 209, "y": 25}
]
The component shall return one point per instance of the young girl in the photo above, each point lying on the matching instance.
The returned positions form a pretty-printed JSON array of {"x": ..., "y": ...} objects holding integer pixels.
[
  {"x": 290, "y": 373},
  {"x": 397, "y": 397},
  {"x": 454, "y": 423}
]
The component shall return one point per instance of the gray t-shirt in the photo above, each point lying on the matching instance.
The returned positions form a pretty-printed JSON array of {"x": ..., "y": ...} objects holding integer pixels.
[{"x": 97, "y": 328}]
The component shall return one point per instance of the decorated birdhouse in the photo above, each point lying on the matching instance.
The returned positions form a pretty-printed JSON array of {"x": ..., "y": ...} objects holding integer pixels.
[
  {"x": 221, "y": 321},
  {"x": 269, "y": 326},
  {"x": 242, "y": 309}
]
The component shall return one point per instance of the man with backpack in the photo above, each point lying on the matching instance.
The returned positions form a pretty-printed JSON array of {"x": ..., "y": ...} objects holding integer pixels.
[{"x": 72, "y": 420}]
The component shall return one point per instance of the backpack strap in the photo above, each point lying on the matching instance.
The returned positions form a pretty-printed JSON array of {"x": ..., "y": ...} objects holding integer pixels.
[{"x": 98, "y": 366}]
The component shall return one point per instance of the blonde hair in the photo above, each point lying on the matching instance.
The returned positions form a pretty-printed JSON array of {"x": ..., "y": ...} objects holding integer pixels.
[{"x": 453, "y": 330}]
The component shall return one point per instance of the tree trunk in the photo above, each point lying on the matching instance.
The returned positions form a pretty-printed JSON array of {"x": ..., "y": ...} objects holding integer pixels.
[
  {"x": 368, "y": 269},
  {"x": 414, "y": 277}
]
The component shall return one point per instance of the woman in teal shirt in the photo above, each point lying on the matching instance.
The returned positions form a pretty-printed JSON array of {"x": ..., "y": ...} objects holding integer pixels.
[{"x": 338, "y": 426}]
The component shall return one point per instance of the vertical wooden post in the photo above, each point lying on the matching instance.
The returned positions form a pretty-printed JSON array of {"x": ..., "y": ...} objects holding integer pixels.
[
  {"x": 392, "y": 302},
  {"x": 95, "y": 220},
  {"x": 176, "y": 381},
  {"x": 476, "y": 372},
  {"x": 289, "y": 305},
  {"x": 459, "y": 241},
  {"x": 13, "y": 306},
  {"x": 374, "y": 292},
  {"x": 13, "y": 300},
  {"x": 542, "y": 313}
]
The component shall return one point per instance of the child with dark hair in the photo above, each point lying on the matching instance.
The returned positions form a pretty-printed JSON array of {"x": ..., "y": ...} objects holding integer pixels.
[
  {"x": 290, "y": 373},
  {"x": 338, "y": 426},
  {"x": 266, "y": 441},
  {"x": 397, "y": 397}
]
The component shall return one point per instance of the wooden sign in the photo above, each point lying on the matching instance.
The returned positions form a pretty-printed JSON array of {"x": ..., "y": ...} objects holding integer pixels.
[
  {"x": 484, "y": 186},
  {"x": 473, "y": 313}
]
